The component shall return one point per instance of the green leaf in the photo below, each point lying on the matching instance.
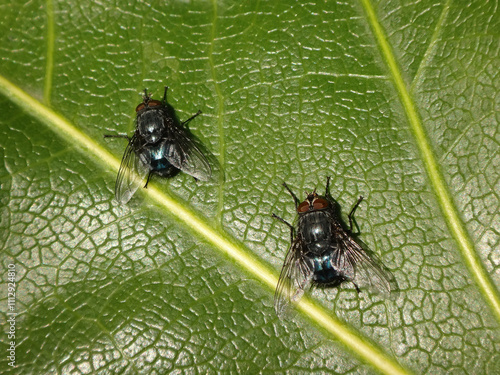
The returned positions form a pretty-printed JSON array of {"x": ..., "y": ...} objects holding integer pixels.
[{"x": 397, "y": 103}]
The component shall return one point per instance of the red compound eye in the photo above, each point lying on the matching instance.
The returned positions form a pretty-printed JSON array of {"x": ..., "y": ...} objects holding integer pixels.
[
  {"x": 320, "y": 203},
  {"x": 140, "y": 106},
  {"x": 303, "y": 207},
  {"x": 154, "y": 103}
]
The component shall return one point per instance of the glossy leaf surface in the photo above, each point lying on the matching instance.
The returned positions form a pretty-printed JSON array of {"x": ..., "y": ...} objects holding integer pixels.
[{"x": 181, "y": 279}]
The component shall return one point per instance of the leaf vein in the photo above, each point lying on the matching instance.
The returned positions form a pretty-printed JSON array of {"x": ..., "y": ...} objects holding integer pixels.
[
  {"x": 443, "y": 196},
  {"x": 220, "y": 113},
  {"x": 49, "y": 65},
  {"x": 432, "y": 43}
]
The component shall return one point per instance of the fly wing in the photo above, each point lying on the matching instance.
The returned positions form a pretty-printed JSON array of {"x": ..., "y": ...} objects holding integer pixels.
[
  {"x": 184, "y": 154},
  {"x": 295, "y": 276},
  {"x": 359, "y": 267},
  {"x": 131, "y": 174}
]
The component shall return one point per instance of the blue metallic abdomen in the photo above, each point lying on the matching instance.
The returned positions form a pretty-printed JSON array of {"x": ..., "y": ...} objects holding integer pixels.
[
  {"x": 155, "y": 157},
  {"x": 324, "y": 271}
]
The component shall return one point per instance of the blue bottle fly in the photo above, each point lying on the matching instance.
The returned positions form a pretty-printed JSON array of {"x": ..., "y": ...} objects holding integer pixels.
[
  {"x": 323, "y": 253},
  {"x": 160, "y": 145}
]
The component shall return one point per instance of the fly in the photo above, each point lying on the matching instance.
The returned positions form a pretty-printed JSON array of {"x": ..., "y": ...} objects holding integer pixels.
[
  {"x": 323, "y": 253},
  {"x": 160, "y": 145}
]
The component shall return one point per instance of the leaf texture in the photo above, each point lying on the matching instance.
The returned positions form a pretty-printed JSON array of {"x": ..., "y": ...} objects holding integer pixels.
[{"x": 181, "y": 279}]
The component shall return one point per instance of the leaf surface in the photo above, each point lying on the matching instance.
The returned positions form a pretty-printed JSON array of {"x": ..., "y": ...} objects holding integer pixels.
[{"x": 181, "y": 279}]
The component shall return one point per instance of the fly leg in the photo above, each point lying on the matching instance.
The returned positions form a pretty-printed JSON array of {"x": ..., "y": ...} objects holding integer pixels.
[
  {"x": 147, "y": 181},
  {"x": 192, "y": 117},
  {"x": 295, "y": 199},
  {"x": 292, "y": 229},
  {"x": 356, "y": 286},
  {"x": 351, "y": 214}
]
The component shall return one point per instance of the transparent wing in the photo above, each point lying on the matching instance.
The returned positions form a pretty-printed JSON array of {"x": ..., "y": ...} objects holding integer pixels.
[
  {"x": 295, "y": 276},
  {"x": 184, "y": 154},
  {"x": 131, "y": 174},
  {"x": 361, "y": 268}
]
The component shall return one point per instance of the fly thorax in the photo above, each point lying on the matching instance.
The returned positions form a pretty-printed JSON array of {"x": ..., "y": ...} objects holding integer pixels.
[
  {"x": 316, "y": 232},
  {"x": 151, "y": 125}
]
